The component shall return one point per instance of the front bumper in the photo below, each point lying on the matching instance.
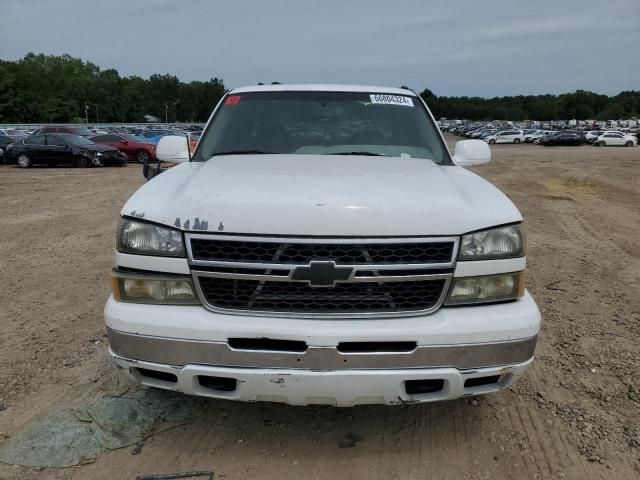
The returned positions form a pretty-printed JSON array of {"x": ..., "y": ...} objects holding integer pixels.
[
  {"x": 341, "y": 388},
  {"x": 175, "y": 347},
  {"x": 179, "y": 353}
]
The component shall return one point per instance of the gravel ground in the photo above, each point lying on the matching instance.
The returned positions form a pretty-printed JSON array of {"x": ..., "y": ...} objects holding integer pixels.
[{"x": 575, "y": 414}]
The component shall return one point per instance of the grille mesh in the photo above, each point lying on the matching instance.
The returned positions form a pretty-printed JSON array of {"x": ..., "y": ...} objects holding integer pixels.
[
  {"x": 300, "y": 253},
  {"x": 300, "y": 297}
]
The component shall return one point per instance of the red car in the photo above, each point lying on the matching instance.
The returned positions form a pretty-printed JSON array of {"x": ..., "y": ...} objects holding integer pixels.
[
  {"x": 194, "y": 138},
  {"x": 82, "y": 131},
  {"x": 135, "y": 147}
]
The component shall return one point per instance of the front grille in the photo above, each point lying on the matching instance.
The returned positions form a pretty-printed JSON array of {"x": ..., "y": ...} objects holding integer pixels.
[
  {"x": 321, "y": 277},
  {"x": 302, "y": 253},
  {"x": 278, "y": 296}
]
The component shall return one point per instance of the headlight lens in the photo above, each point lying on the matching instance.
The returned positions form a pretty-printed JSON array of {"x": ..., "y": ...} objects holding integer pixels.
[
  {"x": 148, "y": 239},
  {"x": 502, "y": 242},
  {"x": 492, "y": 288},
  {"x": 138, "y": 288}
]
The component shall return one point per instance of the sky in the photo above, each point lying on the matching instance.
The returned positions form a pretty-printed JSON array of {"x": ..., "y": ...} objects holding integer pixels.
[{"x": 455, "y": 47}]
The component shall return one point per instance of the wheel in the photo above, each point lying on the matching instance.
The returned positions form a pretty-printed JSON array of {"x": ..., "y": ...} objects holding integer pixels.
[
  {"x": 492, "y": 141},
  {"x": 629, "y": 144},
  {"x": 24, "y": 161},
  {"x": 142, "y": 156},
  {"x": 82, "y": 162},
  {"x": 603, "y": 143},
  {"x": 516, "y": 140},
  {"x": 97, "y": 162}
]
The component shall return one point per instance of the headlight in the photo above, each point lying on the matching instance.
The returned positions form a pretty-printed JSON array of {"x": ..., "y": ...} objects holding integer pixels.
[
  {"x": 148, "y": 239},
  {"x": 502, "y": 242},
  {"x": 493, "y": 288},
  {"x": 163, "y": 290}
]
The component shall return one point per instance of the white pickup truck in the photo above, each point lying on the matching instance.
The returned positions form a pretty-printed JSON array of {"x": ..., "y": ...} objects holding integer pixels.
[{"x": 321, "y": 246}]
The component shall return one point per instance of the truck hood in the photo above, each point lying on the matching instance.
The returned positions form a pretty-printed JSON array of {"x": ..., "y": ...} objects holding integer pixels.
[{"x": 321, "y": 195}]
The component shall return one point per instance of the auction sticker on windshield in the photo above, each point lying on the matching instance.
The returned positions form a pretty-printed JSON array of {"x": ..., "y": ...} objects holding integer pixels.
[{"x": 391, "y": 100}]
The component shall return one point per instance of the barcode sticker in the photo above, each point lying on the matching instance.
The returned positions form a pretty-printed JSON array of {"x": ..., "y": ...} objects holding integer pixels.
[{"x": 391, "y": 100}]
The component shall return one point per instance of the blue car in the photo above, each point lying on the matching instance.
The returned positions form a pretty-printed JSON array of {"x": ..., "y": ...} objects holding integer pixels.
[{"x": 153, "y": 136}]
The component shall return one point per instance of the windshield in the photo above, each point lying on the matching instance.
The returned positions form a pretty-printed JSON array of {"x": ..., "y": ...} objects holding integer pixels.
[
  {"x": 329, "y": 123},
  {"x": 134, "y": 138},
  {"x": 81, "y": 131},
  {"x": 77, "y": 140}
]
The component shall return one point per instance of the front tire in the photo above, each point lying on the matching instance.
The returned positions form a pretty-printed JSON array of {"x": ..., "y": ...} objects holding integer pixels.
[
  {"x": 83, "y": 162},
  {"x": 516, "y": 140},
  {"x": 142, "y": 156},
  {"x": 24, "y": 161},
  {"x": 602, "y": 143},
  {"x": 629, "y": 144},
  {"x": 492, "y": 142}
]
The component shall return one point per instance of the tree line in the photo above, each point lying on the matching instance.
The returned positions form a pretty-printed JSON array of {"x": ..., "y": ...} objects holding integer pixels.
[
  {"x": 579, "y": 105},
  {"x": 48, "y": 88}
]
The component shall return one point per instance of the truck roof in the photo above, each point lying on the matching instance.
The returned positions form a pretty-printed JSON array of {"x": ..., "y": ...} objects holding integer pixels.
[{"x": 323, "y": 88}]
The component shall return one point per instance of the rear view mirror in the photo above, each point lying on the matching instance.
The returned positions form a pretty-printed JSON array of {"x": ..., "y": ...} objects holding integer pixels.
[
  {"x": 173, "y": 149},
  {"x": 472, "y": 152}
]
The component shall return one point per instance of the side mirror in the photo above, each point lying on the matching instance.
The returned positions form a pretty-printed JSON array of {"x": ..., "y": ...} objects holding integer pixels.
[
  {"x": 469, "y": 153},
  {"x": 173, "y": 149},
  {"x": 124, "y": 142}
]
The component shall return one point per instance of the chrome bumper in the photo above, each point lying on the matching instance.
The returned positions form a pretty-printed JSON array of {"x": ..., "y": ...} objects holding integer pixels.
[{"x": 178, "y": 352}]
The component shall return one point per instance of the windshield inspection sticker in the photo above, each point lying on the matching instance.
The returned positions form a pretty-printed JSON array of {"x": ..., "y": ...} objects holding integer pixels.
[
  {"x": 232, "y": 100},
  {"x": 391, "y": 100}
]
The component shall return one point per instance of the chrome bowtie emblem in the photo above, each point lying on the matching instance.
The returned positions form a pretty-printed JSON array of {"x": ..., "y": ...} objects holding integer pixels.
[{"x": 320, "y": 273}]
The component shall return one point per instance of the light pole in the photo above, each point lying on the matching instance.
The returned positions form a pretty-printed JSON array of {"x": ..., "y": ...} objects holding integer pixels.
[
  {"x": 166, "y": 112},
  {"x": 86, "y": 112}
]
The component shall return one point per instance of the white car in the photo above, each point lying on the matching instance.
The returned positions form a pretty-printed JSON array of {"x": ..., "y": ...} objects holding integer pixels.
[
  {"x": 592, "y": 135},
  {"x": 617, "y": 139},
  {"x": 533, "y": 135},
  {"x": 321, "y": 246},
  {"x": 535, "y": 138},
  {"x": 506, "y": 136}
]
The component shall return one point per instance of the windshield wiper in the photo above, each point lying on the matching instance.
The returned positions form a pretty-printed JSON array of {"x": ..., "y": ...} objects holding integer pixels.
[
  {"x": 242, "y": 152},
  {"x": 369, "y": 154}
]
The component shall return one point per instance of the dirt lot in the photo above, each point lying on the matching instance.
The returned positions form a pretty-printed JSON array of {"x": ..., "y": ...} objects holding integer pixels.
[{"x": 576, "y": 414}]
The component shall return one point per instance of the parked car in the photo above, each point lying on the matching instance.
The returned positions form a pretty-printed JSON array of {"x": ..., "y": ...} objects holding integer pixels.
[
  {"x": 11, "y": 132},
  {"x": 193, "y": 140},
  {"x": 505, "y": 136},
  {"x": 5, "y": 145},
  {"x": 488, "y": 133},
  {"x": 64, "y": 148},
  {"x": 269, "y": 268},
  {"x": 531, "y": 134},
  {"x": 535, "y": 137},
  {"x": 154, "y": 136},
  {"x": 592, "y": 135},
  {"x": 616, "y": 139},
  {"x": 136, "y": 148},
  {"x": 563, "y": 138},
  {"x": 82, "y": 131}
]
